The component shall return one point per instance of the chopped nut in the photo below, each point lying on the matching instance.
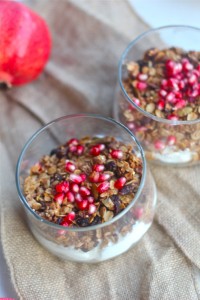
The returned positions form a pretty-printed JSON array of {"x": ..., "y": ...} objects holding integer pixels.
[
  {"x": 185, "y": 111},
  {"x": 107, "y": 215},
  {"x": 192, "y": 116},
  {"x": 150, "y": 107},
  {"x": 108, "y": 203}
]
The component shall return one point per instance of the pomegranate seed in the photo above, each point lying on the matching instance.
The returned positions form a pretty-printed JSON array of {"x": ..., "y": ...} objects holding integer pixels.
[
  {"x": 83, "y": 176},
  {"x": 172, "y": 68},
  {"x": 170, "y": 64},
  {"x": 80, "y": 149},
  {"x": 70, "y": 197},
  {"x": 98, "y": 168},
  {"x": 84, "y": 191},
  {"x": 192, "y": 79},
  {"x": 82, "y": 205},
  {"x": 94, "y": 177},
  {"x": 179, "y": 76},
  {"x": 178, "y": 68},
  {"x": 59, "y": 198},
  {"x": 62, "y": 187},
  {"x": 78, "y": 198},
  {"x": 171, "y": 140},
  {"x": 136, "y": 101},
  {"x": 181, "y": 84},
  {"x": 162, "y": 93},
  {"x": 59, "y": 187},
  {"x": 75, "y": 178},
  {"x": 173, "y": 83},
  {"x": 90, "y": 199},
  {"x": 65, "y": 224},
  {"x": 116, "y": 154},
  {"x": 91, "y": 209},
  {"x": 101, "y": 147},
  {"x": 141, "y": 86},
  {"x": 95, "y": 151},
  {"x": 70, "y": 217},
  {"x": 195, "y": 86},
  {"x": 193, "y": 93},
  {"x": 72, "y": 148},
  {"x": 161, "y": 104},
  {"x": 187, "y": 66},
  {"x": 184, "y": 60},
  {"x": 142, "y": 77},
  {"x": 138, "y": 212},
  {"x": 159, "y": 145},
  {"x": 72, "y": 142},
  {"x": 164, "y": 83},
  {"x": 170, "y": 97},
  {"x": 119, "y": 183},
  {"x": 104, "y": 177},
  {"x": 131, "y": 126},
  {"x": 196, "y": 73},
  {"x": 74, "y": 187},
  {"x": 103, "y": 187},
  {"x": 70, "y": 167},
  {"x": 172, "y": 117},
  {"x": 180, "y": 104},
  {"x": 178, "y": 95}
]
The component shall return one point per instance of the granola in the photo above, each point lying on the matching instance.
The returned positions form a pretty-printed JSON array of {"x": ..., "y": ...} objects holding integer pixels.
[
  {"x": 164, "y": 83},
  {"x": 84, "y": 182}
]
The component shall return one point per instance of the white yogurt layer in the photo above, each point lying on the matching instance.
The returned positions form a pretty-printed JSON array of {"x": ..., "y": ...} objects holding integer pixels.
[
  {"x": 176, "y": 157},
  {"x": 97, "y": 254}
]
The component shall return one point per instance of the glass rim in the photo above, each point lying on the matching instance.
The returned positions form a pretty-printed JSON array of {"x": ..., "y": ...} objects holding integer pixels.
[
  {"x": 121, "y": 63},
  {"x": 87, "y": 228}
]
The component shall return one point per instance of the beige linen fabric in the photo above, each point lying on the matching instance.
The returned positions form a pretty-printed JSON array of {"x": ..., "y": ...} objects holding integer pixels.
[{"x": 89, "y": 37}]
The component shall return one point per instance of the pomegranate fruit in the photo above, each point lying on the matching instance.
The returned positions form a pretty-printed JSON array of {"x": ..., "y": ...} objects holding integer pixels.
[{"x": 25, "y": 43}]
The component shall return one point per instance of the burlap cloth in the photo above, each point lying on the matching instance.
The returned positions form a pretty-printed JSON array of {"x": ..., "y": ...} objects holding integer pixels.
[{"x": 88, "y": 38}]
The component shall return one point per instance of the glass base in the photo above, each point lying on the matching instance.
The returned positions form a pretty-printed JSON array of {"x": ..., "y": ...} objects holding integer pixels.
[
  {"x": 176, "y": 158},
  {"x": 142, "y": 213},
  {"x": 97, "y": 254}
]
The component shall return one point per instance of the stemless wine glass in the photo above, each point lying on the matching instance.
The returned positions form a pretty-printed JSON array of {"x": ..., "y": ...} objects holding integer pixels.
[
  {"x": 98, "y": 242},
  {"x": 164, "y": 141}
]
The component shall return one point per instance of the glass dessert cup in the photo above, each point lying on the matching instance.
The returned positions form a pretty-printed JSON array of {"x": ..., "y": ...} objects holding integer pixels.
[
  {"x": 95, "y": 243},
  {"x": 165, "y": 141}
]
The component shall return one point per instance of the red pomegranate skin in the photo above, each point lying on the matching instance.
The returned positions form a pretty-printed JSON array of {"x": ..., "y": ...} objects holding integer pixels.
[{"x": 25, "y": 43}]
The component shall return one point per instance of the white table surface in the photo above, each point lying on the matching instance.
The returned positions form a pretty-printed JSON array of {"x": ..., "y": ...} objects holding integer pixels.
[{"x": 156, "y": 13}]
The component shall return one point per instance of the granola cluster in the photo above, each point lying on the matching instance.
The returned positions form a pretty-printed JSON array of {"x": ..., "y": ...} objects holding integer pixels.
[{"x": 84, "y": 182}]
